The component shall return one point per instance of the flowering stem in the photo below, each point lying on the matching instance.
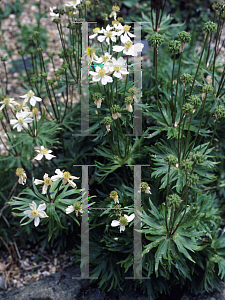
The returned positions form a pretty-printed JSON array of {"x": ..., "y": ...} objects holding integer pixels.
[
  {"x": 67, "y": 96},
  {"x": 199, "y": 125},
  {"x": 187, "y": 187},
  {"x": 178, "y": 75},
  {"x": 206, "y": 38},
  {"x": 6, "y": 83},
  {"x": 172, "y": 84},
  {"x": 187, "y": 135},
  {"x": 211, "y": 137},
  {"x": 168, "y": 180},
  {"x": 214, "y": 60},
  {"x": 156, "y": 86}
]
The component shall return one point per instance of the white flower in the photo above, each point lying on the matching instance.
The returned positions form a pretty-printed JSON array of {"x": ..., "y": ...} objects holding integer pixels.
[
  {"x": 96, "y": 32},
  {"x": 116, "y": 115},
  {"x": 104, "y": 59},
  {"x": 36, "y": 213},
  {"x": 123, "y": 29},
  {"x": 128, "y": 48},
  {"x": 73, "y": 3},
  {"x": 90, "y": 53},
  {"x": 108, "y": 127},
  {"x": 47, "y": 182},
  {"x": 22, "y": 120},
  {"x": 22, "y": 175},
  {"x": 108, "y": 34},
  {"x": 114, "y": 195},
  {"x": 52, "y": 14},
  {"x": 100, "y": 74},
  {"x": 8, "y": 102},
  {"x": 129, "y": 107},
  {"x": 30, "y": 96},
  {"x": 98, "y": 102},
  {"x": 44, "y": 152},
  {"x": 123, "y": 221},
  {"x": 118, "y": 66},
  {"x": 75, "y": 207},
  {"x": 65, "y": 176}
]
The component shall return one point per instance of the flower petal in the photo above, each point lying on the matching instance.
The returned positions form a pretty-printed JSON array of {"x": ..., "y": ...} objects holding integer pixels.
[
  {"x": 36, "y": 221},
  {"x": 115, "y": 223}
]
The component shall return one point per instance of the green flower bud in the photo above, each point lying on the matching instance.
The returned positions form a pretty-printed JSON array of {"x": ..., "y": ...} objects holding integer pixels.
[
  {"x": 39, "y": 49},
  {"x": 65, "y": 66},
  {"x": 97, "y": 96},
  {"x": 174, "y": 46},
  {"x": 36, "y": 34},
  {"x": 128, "y": 100},
  {"x": 197, "y": 157},
  {"x": 87, "y": 3},
  {"x": 51, "y": 55},
  {"x": 173, "y": 200},
  {"x": 186, "y": 78},
  {"x": 187, "y": 108},
  {"x": 34, "y": 79},
  {"x": 186, "y": 165},
  {"x": 56, "y": 20},
  {"x": 21, "y": 52},
  {"x": 195, "y": 101},
  {"x": 105, "y": 17},
  {"x": 107, "y": 120},
  {"x": 120, "y": 19},
  {"x": 171, "y": 159},
  {"x": 3, "y": 58},
  {"x": 115, "y": 109},
  {"x": 219, "y": 6},
  {"x": 210, "y": 27},
  {"x": 184, "y": 37},
  {"x": 44, "y": 75},
  {"x": 156, "y": 40},
  {"x": 192, "y": 179},
  {"x": 52, "y": 81},
  {"x": 219, "y": 112},
  {"x": 208, "y": 88}
]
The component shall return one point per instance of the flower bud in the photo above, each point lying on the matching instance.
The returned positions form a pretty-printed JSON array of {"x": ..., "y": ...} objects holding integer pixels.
[
  {"x": 173, "y": 200},
  {"x": 209, "y": 27},
  {"x": 156, "y": 40},
  {"x": 174, "y": 46}
]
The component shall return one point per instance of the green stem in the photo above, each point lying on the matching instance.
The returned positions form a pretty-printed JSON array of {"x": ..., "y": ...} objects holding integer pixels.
[
  {"x": 172, "y": 84},
  {"x": 206, "y": 38},
  {"x": 187, "y": 134},
  {"x": 178, "y": 75},
  {"x": 214, "y": 60},
  {"x": 214, "y": 131}
]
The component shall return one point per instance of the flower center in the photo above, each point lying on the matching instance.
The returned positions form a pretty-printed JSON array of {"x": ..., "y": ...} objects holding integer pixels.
[
  {"x": 20, "y": 106},
  {"x": 47, "y": 181},
  {"x": 117, "y": 68},
  {"x": 44, "y": 151},
  {"x": 6, "y": 101},
  {"x": 20, "y": 120},
  {"x": 91, "y": 50},
  {"x": 77, "y": 206},
  {"x": 123, "y": 221},
  {"x": 19, "y": 171},
  {"x": 128, "y": 44},
  {"x": 35, "y": 213},
  {"x": 116, "y": 8},
  {"x": 30, "y": 94},
  {"x": 109, "y": 33},
  {"x": 144, "y": 185},
  {"x": 126, "y": 28},
  {"x": 105, "y": 58},
  {"x": 66, "y": 175},
  {"x": 101, "y": 73},
  {"x": 96, "y": 30},
  {"x": 113, "y": 194}
]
